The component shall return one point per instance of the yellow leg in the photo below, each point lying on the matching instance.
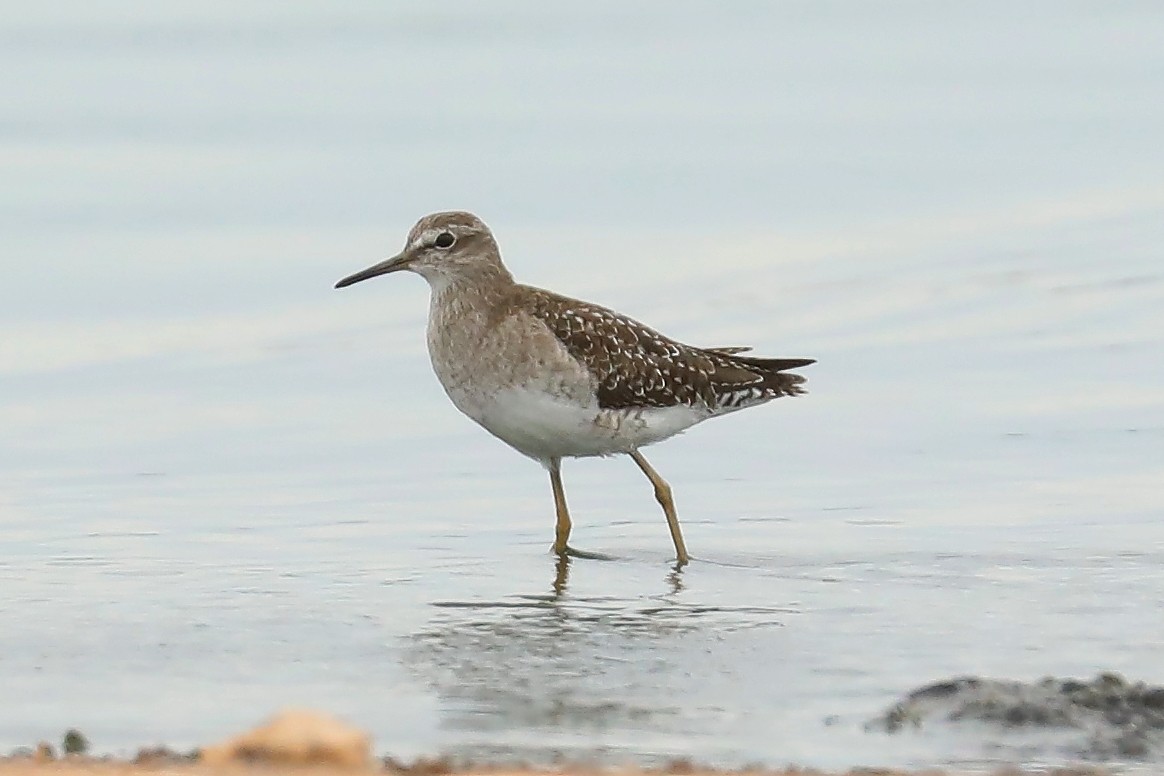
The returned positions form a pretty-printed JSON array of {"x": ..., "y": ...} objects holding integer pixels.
[
  {"x": 663, "y": 496},
  {"x": 562, "y": 530}
]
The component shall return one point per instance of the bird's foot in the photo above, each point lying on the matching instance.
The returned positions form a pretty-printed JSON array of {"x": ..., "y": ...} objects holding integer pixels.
[{"x": 570, "y": 552}]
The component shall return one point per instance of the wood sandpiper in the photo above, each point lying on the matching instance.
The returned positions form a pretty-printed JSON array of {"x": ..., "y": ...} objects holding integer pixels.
[{"x": 555, "y": 377}]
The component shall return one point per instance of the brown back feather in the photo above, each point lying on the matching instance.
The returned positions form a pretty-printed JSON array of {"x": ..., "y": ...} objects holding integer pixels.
[{"x": 636, "y": 366}]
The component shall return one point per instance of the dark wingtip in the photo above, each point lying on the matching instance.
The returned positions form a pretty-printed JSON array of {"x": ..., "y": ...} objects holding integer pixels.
[{"x": 774, "y": 364}]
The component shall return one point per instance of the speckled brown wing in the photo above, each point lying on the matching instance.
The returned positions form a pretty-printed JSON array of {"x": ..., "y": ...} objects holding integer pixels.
[{"x": 636, "y": 366}]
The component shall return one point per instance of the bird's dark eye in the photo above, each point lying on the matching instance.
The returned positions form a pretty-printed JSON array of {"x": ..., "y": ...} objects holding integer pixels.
[{"x": 444, "y": 240}]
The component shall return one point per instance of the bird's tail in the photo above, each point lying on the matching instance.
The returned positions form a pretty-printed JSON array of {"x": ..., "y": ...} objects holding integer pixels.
[{"x": 746, "y": 380}]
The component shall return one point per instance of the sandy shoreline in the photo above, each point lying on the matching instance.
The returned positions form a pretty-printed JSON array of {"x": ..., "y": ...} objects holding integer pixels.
[{"x": 110, "y": 767}]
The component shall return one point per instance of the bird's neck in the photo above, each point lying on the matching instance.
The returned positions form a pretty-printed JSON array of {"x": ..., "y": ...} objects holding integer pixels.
[
  {"x": 482, "y": 280},
  {"x": 475, "y": 286},
  {"x": 464, "y": 305}
]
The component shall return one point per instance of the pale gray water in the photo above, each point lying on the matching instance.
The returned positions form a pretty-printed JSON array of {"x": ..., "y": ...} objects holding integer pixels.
[{"x": 225, "y": 487}]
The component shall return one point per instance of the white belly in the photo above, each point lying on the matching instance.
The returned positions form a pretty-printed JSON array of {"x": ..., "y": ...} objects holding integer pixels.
[
  {"x": 543, "y": 426},
  {"x": 519, "y": 382}
]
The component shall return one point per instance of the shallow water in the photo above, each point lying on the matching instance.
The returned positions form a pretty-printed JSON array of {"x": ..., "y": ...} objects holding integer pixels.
[{"x": 225, "y": 487}]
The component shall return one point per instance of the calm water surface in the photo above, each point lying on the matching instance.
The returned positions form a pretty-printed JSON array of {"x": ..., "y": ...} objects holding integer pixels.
[{"x": 225, "y": 488}]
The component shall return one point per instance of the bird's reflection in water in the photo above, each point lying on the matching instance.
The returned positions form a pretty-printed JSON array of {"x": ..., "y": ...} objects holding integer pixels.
[
  {"x": 674, "y": 578},
  {"x": 561, "y": 576},
  {"x": 543, "y": 673}
]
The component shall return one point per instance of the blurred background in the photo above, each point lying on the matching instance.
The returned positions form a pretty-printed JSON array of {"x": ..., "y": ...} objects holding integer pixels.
[{"x": 225, "y": 487}]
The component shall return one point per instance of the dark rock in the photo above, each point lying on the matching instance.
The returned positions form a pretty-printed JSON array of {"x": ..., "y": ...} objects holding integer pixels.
[
  {"x": 163, "y": 755},
  {"x": 944, "y": 689},
  {"x": 1115, "y": 719},
  {"x": 74, "y": 742}
]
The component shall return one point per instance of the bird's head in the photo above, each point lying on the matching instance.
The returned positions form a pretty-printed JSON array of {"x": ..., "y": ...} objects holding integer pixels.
[{"x": 443, "y": 247}]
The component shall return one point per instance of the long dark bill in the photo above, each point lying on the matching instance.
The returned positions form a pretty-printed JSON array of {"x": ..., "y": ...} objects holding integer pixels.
[{"x": 393, "y": 264}]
